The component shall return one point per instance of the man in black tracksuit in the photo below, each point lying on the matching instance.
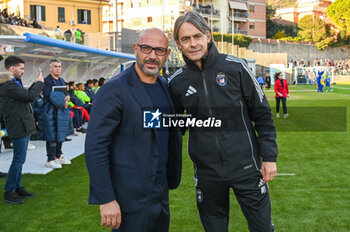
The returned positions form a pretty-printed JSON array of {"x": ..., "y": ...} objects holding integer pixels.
[{"x": 232, "y": 156}]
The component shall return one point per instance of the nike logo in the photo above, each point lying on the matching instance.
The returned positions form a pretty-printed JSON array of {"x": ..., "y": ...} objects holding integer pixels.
[{"x": 190, "y": 91}]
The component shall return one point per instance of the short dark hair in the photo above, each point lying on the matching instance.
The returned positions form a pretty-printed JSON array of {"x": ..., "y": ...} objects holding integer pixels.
[
  {"x": 88, "y": 82},
  {"x": 94, "y": 81},
  {"x": 13, "y": 61},
  {"x": 101, "y": 81}
]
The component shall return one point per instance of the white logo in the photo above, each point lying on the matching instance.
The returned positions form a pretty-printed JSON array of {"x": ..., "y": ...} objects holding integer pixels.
[
  {"x": 262, "y": 187},
  {"x": 190, "y": 91},
  {"x": 151, "y": 119}
]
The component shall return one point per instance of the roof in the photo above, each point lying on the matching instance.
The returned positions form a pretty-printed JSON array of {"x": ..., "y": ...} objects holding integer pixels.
[{"x": 283, "y": 22}]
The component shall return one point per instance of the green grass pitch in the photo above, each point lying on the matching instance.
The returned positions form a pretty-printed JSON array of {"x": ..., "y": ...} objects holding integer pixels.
[{"x": 316, "y": 199}]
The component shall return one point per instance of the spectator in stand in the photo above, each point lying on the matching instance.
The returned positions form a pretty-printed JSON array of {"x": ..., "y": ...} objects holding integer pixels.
[
  {"x": 76, "y": 103},
  {"x": 35, "y": 24},
  {"x": 80, "y": 93},
  {"x": 78, "y": 36},
  {"x": 101, "y": 81},
  {"x": 55, "y": 122},
  {"x": 282, "y": 92},
  {"x": 95, "y": 86},
  {"x": 68, "y": 35},
  {"x": 88, "y": 89}
]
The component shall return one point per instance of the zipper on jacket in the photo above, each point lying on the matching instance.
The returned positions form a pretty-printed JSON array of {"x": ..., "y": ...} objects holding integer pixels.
[
  {"x": 206, "y": 93},
  {"x": 248, "y": 134}
]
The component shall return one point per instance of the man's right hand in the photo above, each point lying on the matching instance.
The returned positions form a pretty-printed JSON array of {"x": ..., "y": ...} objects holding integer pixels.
[{"x": 111, "y": 216}]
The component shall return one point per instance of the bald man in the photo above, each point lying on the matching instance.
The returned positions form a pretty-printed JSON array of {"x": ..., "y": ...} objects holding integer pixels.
[{"x": 132, "y": 161}]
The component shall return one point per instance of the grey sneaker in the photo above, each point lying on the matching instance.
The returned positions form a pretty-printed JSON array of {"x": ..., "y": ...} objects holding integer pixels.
[
  {"x": 286, "y": 115},
  {"x": 53, "y": 164},
  {"x": 63, "y": 160},
  {"x": 278, "y": 115}
]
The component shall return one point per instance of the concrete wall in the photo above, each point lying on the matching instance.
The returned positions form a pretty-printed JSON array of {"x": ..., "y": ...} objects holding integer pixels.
[{"x": 299, "y": 51}]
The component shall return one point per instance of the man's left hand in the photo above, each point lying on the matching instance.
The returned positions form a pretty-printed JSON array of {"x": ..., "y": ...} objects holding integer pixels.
[{"x": 269, "y": 171}]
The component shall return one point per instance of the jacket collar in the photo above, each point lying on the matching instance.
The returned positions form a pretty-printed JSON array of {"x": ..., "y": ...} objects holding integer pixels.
[
  {"x": 4, "y": 77},
  {"x": 207, "y": 59},
  {"x": 139, "y": 92}
]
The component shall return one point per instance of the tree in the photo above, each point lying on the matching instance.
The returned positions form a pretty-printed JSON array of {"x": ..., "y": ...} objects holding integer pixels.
[
  {"x": 279, "y": 35},
  {"x": 339, "y": 12},
  {"x": 312, "y": 28}
]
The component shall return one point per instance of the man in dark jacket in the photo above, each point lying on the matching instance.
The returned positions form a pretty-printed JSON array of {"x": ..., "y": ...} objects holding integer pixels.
[
  {"x": 214, "y": 85},
  {"x": 55, "y": 157},
  {"x": 131, "y": 167},
  {"x": 19, "y": 121}
]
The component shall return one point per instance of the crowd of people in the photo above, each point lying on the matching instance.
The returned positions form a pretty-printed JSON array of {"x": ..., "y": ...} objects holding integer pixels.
[
  {"x": 132, "y": 161},
  {"x": 50, "y": 109},
  {"x": 341, "y": 67},
  {"x": 16, "y": 20}
]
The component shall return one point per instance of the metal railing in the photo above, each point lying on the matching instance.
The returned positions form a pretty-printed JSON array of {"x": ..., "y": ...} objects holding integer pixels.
[
  {"x": 239, "y": 14},
  {"x": 237, "y": 31},
  {"x": 208, "y": 11}
]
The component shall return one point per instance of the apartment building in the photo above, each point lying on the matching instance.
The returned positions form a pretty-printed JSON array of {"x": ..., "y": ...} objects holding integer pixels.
[
  {"x": 141, "y": 14},
  {"x": 248, "y": 17},
  {"x": 305, "y": 7},
  {"x": 83, "y": 14}
]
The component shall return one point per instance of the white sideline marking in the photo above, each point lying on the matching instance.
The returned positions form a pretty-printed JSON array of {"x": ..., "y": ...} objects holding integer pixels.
[{"x": 286, "y": 174}]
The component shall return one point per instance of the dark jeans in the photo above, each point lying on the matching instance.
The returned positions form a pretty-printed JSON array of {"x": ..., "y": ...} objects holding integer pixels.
[
  {"x": 153, "y": 217},
  {"x": 284, "y": 104},
  {"x": 54, "y": 150},
  {"x": 14, "y": 176}
]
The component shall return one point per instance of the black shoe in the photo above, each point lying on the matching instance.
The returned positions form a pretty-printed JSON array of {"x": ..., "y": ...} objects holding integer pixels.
[
  {"x": 8, "y": 146},
  {"x": 3, "y": 174},
  {"x": 22, "y": 192},
  {"x": 12, "y": 198},
  {"x": 82, "y": 130},
  {"x": 67, "y": 139}
]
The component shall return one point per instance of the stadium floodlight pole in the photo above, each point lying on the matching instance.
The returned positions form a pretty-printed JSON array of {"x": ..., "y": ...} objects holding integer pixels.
[
  {"x": 115, "y": 25},
  {"x": 233, "y": 30},
  {"x": 163, "y": 13},
  {"x": 211, "y": 16}
]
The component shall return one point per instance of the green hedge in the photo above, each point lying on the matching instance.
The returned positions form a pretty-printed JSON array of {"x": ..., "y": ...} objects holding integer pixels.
[{"x": 239, "y": 39}]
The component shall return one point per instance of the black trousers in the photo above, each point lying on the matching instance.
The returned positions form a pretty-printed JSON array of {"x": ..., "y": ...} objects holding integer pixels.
[
  {"x": 153, "y": 217},
  {"x": 54, "y": 150},
  {"x": 284, "y": 104},
  {"x": 213, "y": 203}
]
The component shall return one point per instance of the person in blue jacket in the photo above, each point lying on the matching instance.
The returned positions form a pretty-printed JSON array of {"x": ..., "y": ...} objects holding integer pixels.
[
  {"x": 319, "y": 81},
  {"x": 55, "y": 122},
  {"x": 131, "y": 167}
]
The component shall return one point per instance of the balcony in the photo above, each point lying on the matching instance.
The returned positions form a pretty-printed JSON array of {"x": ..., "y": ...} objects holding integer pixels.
[
  {"x": 240, "y": 16},
  {"x": 208, "y": 12},
  {"x": 237, "y": 31}
]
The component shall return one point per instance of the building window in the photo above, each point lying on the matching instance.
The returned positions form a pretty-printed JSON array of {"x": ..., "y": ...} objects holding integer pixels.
[
  {"x": 149, "y": 19},
  {"x": 61, "y": 15},
  {"x": 251, "y": 8},
  {"x": 84, "y": 16},
  {"x": 37, "y": 12},
  {"x": 251, "y": 26}
]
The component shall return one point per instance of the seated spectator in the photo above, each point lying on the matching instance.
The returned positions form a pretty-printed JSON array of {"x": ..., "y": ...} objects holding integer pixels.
[
  {"x": 95, "y": 86},
  {"x": 76, "y": 103},
  {"x": 88, "y": 89}
]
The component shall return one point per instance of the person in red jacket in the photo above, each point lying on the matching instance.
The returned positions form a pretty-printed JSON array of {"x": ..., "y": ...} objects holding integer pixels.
[{"x": 282, "y": 92}]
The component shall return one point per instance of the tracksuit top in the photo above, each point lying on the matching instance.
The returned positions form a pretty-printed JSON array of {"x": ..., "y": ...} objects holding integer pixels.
[{"x": 225, "y": 89}]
